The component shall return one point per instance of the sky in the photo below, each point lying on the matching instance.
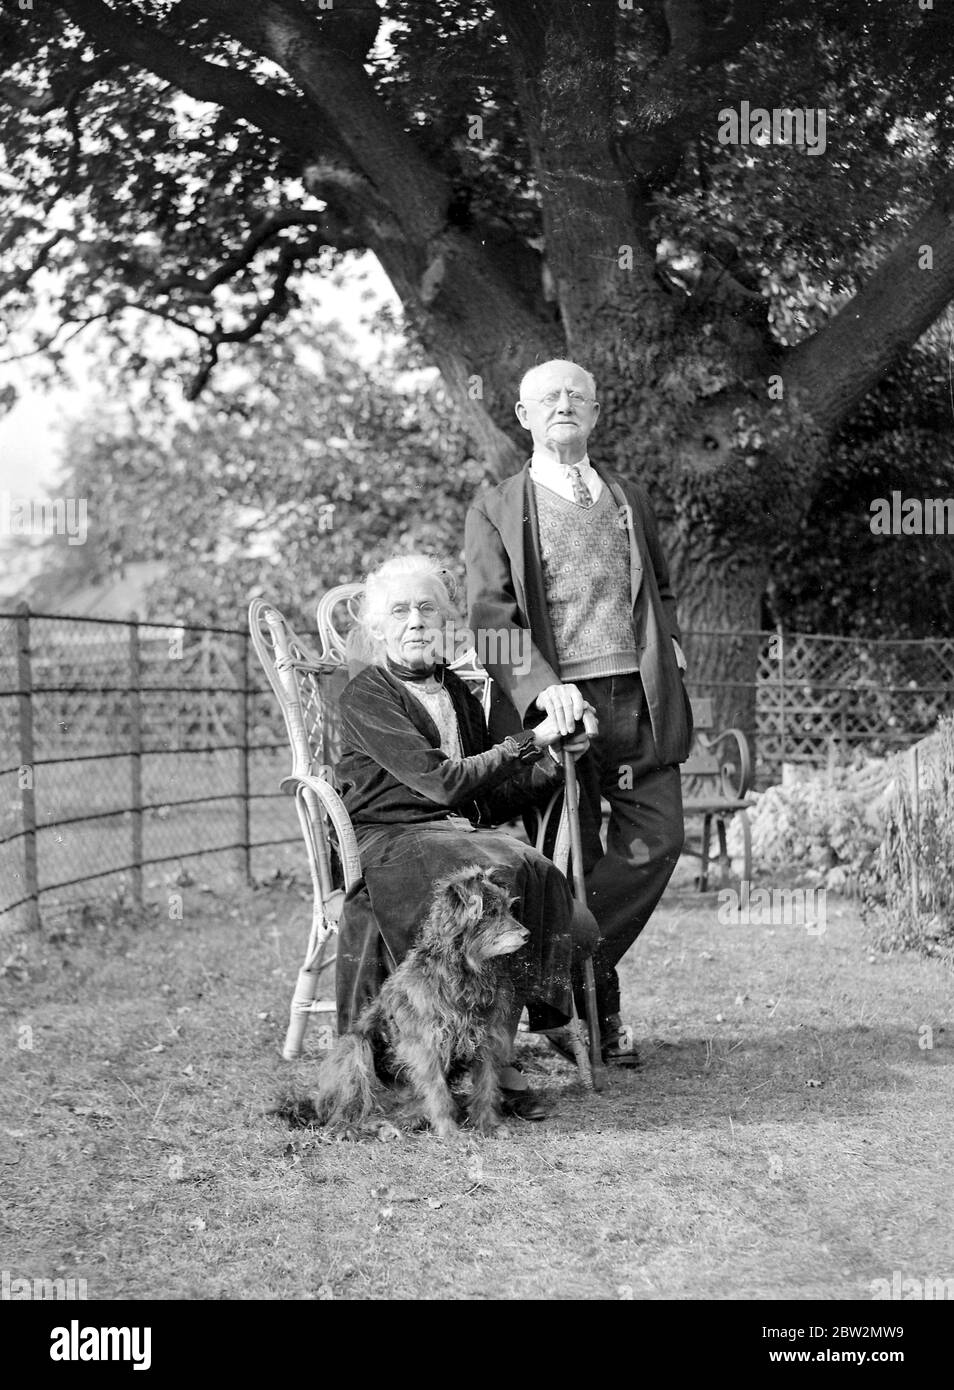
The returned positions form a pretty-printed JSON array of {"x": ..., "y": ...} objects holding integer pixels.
[{"x": 30, "y": 436}]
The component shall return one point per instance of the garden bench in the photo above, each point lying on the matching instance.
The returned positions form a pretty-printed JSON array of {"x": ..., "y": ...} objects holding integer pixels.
[
  {"x": 717, "y": 777},
  {"x": 307, "y": 682}
]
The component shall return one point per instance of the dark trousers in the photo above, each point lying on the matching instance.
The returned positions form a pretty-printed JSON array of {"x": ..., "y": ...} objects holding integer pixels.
[{"x": 625, "y": 881}]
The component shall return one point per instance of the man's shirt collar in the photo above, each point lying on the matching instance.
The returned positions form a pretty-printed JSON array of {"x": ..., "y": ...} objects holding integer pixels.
[{"x": 546, "y": 469}]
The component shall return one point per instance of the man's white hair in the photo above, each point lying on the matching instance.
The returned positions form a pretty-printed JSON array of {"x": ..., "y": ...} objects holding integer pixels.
[{"x": 557, "y": 362}]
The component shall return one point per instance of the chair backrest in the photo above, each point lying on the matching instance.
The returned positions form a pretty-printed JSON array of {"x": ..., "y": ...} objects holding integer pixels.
[
  {"x": 335, "y": 616},
  {"x": 723, "y": 758},
  {"x": 304, "y": 684},
  {"x": 701, "y": 762}
]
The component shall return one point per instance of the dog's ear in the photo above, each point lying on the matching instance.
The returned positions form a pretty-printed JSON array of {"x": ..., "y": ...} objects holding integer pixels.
[
  {"x": 497, "y": 896},
  {"x": 497, "y": 891},
  {"x": 467, "y": 899}
]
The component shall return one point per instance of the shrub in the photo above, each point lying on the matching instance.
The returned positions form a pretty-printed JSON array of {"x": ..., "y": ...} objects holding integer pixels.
[
  {"x": 816, "y": 828},
  {"x": 925, "y": 849}
]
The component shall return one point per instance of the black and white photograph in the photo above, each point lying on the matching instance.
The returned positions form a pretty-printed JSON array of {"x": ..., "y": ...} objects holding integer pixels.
[{"x": 477, "y": 668}]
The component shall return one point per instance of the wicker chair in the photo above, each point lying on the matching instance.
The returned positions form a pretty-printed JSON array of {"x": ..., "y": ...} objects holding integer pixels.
[
  {"x": 307, "y": 683},
  {"x": 302, "y": 682}
]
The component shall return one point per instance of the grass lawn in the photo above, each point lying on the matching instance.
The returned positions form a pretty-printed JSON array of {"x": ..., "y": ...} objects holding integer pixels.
[{"x": 789, "y": 1134}]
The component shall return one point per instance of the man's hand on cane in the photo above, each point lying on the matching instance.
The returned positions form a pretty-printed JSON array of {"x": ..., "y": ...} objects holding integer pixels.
[
  {"x": 555, "y": 732},
  {"x": 564, "y": 703}
]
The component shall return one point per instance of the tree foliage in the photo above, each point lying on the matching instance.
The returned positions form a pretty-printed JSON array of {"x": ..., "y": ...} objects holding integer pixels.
[
  {"x": 535, "y": 177},
  {"x": 298, "y": 471},
  {"x": 832, "y": 574},
  {"x": 205, "y": 210},
  {"x": 304, "y": 468}
]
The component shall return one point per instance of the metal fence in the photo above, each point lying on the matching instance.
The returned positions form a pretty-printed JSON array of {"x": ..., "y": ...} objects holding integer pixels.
[
  {"x": 132, "y": 747},
  {"x": 129, "y": 746}
]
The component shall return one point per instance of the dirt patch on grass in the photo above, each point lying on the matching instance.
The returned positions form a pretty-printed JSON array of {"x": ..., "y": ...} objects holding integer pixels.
[{"x": 788, "y": 1135}]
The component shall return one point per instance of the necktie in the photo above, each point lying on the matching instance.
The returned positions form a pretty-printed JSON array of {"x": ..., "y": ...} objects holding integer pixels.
[{"x": 581, "y": 495}]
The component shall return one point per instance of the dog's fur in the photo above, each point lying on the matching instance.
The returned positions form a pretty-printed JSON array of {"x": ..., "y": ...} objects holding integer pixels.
[{"x": 443, "y": 1011}]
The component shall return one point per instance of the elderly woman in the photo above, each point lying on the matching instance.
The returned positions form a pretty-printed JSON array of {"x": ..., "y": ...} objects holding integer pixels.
[{"x": 424, "y": 786}]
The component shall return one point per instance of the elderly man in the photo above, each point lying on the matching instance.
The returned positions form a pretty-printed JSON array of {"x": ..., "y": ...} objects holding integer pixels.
[{"x": 564, "y": 558}]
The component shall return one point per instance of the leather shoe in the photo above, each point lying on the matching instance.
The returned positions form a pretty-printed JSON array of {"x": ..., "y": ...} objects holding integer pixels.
[
  {"x": 613, "y": 1057},
  {"x": 524, "y": 1105},
  {"x": 618, "y": 1049}
]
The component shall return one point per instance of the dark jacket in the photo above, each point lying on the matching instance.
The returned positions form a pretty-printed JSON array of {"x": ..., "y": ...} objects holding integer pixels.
[
  {"x": 392, "y": 769},
  {"x": 507, "y": 592},
  {"x": 400, "y": 790}
]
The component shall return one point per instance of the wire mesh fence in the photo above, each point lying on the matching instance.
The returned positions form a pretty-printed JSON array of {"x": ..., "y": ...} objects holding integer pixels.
[
  {"x": 131, "y": 747},
  {"x": 134, "y": 753}
]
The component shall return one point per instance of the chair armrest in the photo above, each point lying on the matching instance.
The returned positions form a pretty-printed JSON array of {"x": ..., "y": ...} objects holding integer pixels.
[
  {"x": 302, "y": 785},
  {"x": 473, "y": 674},
  {"x": 735, "y": 787},
  {"x": 544, "y": 817}
]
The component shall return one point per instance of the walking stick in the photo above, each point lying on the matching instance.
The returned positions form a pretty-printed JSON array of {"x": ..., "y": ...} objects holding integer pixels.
[{"x": 579, "y": 892}]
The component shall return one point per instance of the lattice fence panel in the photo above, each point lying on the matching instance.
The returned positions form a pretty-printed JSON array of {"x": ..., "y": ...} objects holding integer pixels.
[{"x": 819, "y": 696}]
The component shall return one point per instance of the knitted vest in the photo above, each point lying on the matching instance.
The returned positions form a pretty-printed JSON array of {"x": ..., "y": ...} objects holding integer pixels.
[{"x": 585, "y": 555}]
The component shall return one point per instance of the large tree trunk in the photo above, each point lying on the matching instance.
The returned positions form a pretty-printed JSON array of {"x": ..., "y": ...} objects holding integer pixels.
[{"x": 720, "y": 614}]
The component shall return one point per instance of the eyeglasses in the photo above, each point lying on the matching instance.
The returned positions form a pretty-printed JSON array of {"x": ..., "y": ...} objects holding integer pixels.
[
  {"x": 552, "y": 397},
  {"x": 426, "y": 609}
]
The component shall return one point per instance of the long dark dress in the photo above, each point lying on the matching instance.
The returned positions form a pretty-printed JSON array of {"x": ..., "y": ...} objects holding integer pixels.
[{"x": 400, "y": 789}]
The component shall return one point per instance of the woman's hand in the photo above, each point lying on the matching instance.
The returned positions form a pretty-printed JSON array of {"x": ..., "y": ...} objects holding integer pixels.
[{"x": 576, "y": 744}]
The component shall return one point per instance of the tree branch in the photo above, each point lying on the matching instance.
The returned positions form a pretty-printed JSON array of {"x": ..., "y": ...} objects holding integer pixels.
[
  {"x": 62, "y": 91},
  {"x": 670, "y": 108},
  {"x": 68, "y": 181},
  {"x": 291, "y": 122},
  {"x": 333, "y": 233},
  {"x": 50, "y": 339},
  {"x": 20, "y": 279},
  {"x": 371, "y": 136},
  {"x": 296, "y": 124},
  {"x": 468, "y": 310},
  {"x": 728, "y": 40},
  {"x": 290, "y": 256},
  {"x": 832, "y": 371},
  {"x": 348, "y": 26},
  {"x": 686, "y": 22},
  {"x": 525, "y": 32},
  {"x": 564, "y": 64}
]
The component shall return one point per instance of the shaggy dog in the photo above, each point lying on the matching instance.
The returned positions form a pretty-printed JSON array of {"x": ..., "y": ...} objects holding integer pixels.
[{"x": 442, "y": 1012}]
